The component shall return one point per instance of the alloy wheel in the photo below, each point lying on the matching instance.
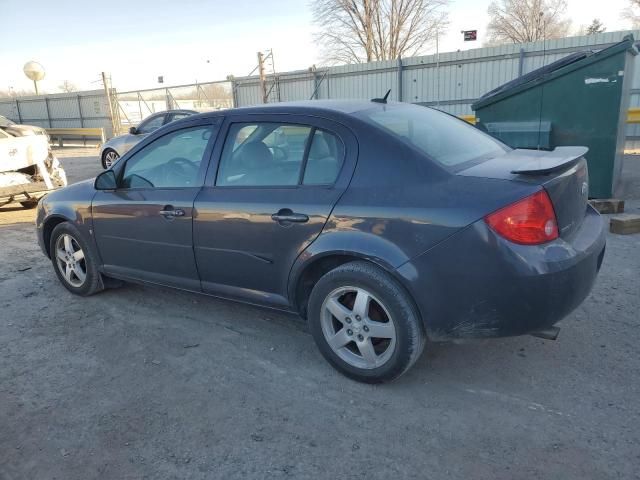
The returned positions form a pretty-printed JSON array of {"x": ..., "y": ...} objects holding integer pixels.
[
  {"x": 110, "y": 158},
  {"x": 358, "y": 327},
  {"x": 70, "y": 260}
]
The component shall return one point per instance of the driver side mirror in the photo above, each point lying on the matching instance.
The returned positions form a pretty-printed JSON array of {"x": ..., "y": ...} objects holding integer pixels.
[
  {"x": 133, "y": 131},
  {"x": 106, "y": 181}
]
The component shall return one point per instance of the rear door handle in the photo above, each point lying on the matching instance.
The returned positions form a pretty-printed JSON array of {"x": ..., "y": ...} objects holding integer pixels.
[{"x": 285, "y": 215}]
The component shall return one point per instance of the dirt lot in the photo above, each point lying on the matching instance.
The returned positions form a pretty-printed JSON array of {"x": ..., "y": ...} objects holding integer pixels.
[{"x": 150, "y": 383}]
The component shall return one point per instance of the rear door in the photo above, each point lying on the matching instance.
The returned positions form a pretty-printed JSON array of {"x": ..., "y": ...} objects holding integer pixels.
[
  {"x": 143, "y": 229},
  {"x": 277, "y": 180}
]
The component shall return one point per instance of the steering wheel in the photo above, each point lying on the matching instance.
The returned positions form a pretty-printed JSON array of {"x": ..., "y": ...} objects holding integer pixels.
[{"x": 181, "y": 168}]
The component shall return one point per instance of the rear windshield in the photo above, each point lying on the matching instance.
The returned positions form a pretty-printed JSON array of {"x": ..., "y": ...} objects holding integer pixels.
[{"x": 443, "y": 138}]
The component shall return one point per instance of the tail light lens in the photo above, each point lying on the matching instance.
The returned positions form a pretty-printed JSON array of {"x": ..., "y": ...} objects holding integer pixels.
[{"x": 530, "y": 221}]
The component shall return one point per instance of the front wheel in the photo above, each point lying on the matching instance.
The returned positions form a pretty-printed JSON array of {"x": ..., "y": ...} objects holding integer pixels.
[
  {"x": 109, "y": 157},
  {"x": 364, "y": 323},
  {"x": 73, "y": 260}
]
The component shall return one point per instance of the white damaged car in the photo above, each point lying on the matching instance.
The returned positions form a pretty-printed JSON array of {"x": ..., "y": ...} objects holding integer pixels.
[{"x": 28, "y": 169}]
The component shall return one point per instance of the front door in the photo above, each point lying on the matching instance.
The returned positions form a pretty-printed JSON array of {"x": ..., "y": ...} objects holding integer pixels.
[
  {"x": 143, "y": 229},
  {"x": 275, "y": 187}
]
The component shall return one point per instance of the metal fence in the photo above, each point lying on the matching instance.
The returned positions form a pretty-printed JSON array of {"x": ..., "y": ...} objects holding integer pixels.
[
  {"x": 135, "y": 105},
  {"x": 450, "y": 81},
  {"x": 63, "y": 110}
]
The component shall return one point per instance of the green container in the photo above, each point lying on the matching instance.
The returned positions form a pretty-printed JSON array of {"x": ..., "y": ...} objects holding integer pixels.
[
  {"x": 522, "y": 134},
  {"x": 581, "y": 100}
]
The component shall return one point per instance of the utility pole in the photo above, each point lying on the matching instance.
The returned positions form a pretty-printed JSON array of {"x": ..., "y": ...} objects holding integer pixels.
[
  {"x": 263, "y": 77},
  {"x": 107, "y": 93}
]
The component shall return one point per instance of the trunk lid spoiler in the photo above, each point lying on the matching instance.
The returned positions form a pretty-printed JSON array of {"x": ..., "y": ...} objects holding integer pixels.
[{"x": 539, "y": 162}]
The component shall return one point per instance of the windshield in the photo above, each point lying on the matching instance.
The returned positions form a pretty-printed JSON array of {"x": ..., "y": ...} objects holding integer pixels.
[
  {"x": 5, "y": 122},
  {"x": 443, "y": 138}
]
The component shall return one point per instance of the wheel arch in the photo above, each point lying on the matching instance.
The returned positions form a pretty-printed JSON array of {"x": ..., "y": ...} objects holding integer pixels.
[
  {"x": 47, "y": 228},
  {"x": 308, "y": 272}
]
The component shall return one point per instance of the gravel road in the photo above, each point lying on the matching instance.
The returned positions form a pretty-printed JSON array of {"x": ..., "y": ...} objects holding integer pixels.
[{"x": 149, "y": 383}]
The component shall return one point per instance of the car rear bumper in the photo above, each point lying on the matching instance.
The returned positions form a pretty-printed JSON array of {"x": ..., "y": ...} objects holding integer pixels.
[{"x": 477, "y": 284}]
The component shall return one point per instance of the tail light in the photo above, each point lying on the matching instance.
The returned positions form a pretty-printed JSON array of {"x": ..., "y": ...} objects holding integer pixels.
[{"x": 530, "y": 221}]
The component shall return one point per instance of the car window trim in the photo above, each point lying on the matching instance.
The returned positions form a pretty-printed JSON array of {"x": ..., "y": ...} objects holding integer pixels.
[{"x": 305, "y": 155}]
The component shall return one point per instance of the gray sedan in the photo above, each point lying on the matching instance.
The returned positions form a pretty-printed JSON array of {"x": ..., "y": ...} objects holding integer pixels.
[
  {"x": 383, "y": 224},
  {"x": 115, "y": 147}
]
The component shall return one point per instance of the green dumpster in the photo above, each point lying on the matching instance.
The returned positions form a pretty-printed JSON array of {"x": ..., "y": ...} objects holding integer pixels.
[{"x": 581, "y": 99}]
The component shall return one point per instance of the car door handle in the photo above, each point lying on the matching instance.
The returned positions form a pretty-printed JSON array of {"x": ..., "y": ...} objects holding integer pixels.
[
  {"x": 169, "y": 211},
  {"x": 287, "y": 216}
]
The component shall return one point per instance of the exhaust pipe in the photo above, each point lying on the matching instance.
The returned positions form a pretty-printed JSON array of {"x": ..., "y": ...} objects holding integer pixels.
[{"x": 550, "y": 333}]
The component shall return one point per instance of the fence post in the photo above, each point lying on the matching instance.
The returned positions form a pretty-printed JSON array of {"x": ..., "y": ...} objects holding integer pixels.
[
  {"x": 399, "y": 95},
  {"x": 521, "y": 62},
  {"x": 18, "y": 111},
  {"x": 46, "y": 106},
  {"x": 80, "y": 111},
  {"x": 234, "y": 92}
]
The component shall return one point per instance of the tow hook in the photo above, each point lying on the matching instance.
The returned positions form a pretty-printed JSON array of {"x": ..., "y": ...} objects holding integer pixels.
[{"x": 550, "y": 333}]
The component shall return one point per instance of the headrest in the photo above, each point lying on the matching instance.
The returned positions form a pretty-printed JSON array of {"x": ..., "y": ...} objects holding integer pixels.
[
  {"x": 319, "y": 147},
  {"x": 256, "y": 153}
]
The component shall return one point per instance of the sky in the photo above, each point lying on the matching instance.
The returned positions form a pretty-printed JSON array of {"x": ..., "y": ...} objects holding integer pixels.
[{"x": 193, "y": 40}]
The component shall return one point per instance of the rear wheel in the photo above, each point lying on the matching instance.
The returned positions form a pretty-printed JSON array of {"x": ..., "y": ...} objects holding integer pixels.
[
  {"x": 73, "y": 260},
  {"x": 364, "y": 323},
  {"x": 109, "y": 157}
]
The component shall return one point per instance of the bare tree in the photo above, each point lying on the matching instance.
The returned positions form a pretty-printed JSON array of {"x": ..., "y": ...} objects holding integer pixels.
[
  {"x": 520, "y": 21},
  {"x": 12, "y": 93},
  {"x": 596, "y": 27},
  {"x": 68, "y": 87},
  {"x": 632, "y": 13},
  {"x": 354, "y": 31}
]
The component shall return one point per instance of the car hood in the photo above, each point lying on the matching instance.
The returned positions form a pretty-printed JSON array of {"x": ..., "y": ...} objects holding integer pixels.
[{"x": 24, "y": 130}]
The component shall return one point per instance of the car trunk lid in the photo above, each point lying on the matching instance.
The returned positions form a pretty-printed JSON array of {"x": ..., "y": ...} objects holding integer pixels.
[{"x": 562, "y": 172}]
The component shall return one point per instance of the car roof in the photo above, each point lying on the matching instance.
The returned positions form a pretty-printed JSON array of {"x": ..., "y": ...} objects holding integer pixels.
[
  {"x": 164, "y": 112},
  {"x": 328, "y": 107}
]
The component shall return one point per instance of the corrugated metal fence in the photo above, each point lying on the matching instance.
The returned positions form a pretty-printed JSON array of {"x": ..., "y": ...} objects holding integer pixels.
[
  {"x": 451, "y": 82},
  {"x": 63, "y": 110}
]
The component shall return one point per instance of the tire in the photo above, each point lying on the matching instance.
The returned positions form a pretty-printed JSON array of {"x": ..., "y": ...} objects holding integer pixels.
[
  {"x": 29, "y": 204},
  {"x": 88, "y": 280},
  {"x": 109, "y": 156},
  {"x": 389, "y": 313}
]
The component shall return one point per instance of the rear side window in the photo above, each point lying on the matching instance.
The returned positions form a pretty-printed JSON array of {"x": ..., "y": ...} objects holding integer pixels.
[
  {"x": 274, "y": 154},
  {"x": 443, "y": 138},
  {"x": 326, "y": 155}
]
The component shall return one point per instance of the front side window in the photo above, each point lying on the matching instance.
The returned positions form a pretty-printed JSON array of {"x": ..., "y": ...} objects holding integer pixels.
[
  {"x": 151, "y": 124},
  {"x": 178, "y": 116},
  {"x": 263, "y": 154},
  {"x": 443, "y": 138},
  {"x": 172, "y": 160}
]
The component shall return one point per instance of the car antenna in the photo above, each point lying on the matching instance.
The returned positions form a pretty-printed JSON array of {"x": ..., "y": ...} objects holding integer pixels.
[{"x": 383, "y": 99}]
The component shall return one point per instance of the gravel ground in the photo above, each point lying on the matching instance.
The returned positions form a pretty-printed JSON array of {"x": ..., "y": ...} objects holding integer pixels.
[{"x": 142, "y": 382}]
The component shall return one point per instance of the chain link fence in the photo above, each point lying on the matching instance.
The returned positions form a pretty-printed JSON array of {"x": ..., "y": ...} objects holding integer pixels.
[{"x": 133, "y": 106}]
